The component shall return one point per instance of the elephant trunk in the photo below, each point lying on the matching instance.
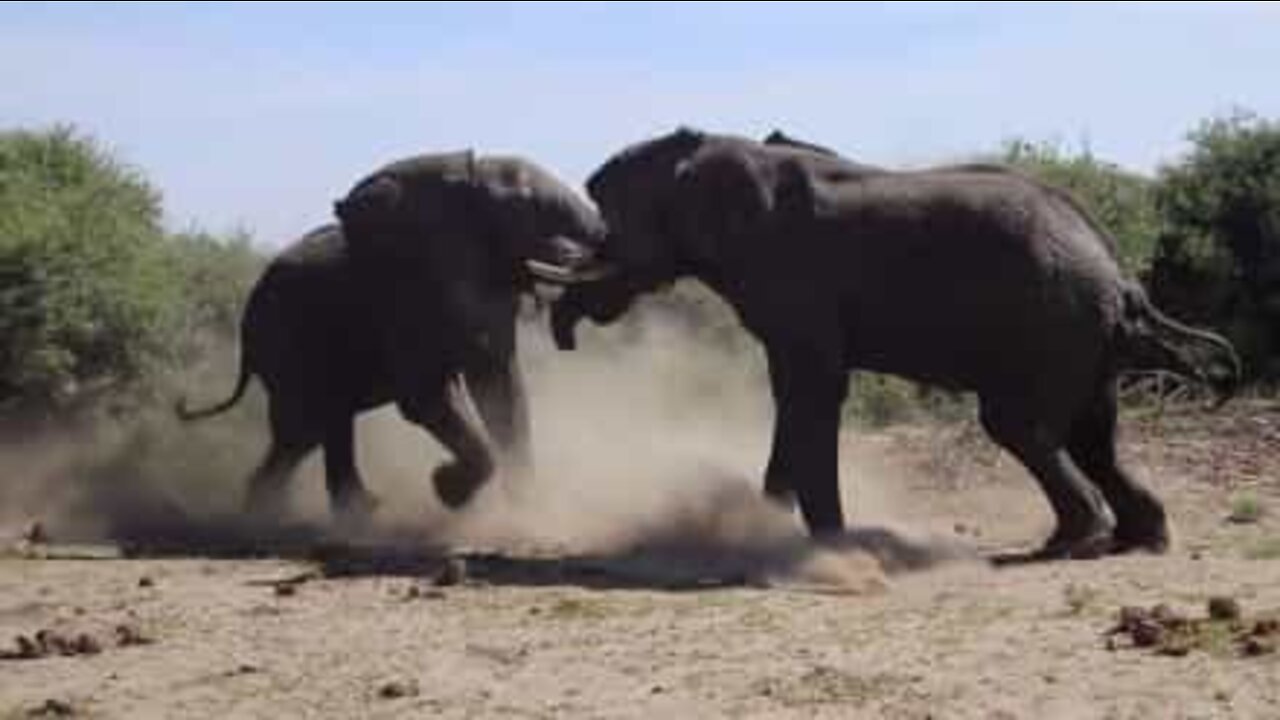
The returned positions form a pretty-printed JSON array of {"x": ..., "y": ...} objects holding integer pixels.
[
  {"x": 565, "y": 316},
  {"x": 603, "y": 300}
]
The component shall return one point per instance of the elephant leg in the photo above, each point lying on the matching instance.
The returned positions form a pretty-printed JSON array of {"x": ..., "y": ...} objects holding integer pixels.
[
  {"x": 443, "y": 414},
  {"x": 498, "y": 389},
  {"x": 292, "y": 438},
  {"x": 348, "y": 495},
  {"x": 778, "y": 476},
  {"x": 1083, "y": 530},
  {"x": 1141, "y": 522},
  {"x": 804, "y": 461},
  {"x": 266, "y": 492}
]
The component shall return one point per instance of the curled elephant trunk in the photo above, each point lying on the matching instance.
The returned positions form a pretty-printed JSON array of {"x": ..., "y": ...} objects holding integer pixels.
[
  {"x": 565, "y": 316},
  {"x": 604, "y": 301}
]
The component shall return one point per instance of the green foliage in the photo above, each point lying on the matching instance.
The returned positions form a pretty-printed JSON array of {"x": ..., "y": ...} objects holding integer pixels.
[
  {"x": 1122, "y": 202},
  {"x": 84, "y": 296},
  {"x": 1246, "y": 510},
  {"x": 93, "y": 293},
  {"x": 221, "y": 272},
  {"x": 1218, "y": 260}
]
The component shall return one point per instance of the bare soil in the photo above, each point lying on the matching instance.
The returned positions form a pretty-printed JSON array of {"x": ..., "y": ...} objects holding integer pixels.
[{"x": 715, "y": 607}]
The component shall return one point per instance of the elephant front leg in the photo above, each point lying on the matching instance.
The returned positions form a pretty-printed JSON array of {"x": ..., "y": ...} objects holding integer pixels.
[
  {"x": 443, "y": 415},
  {"x": 808, "y": 392},
  {"x": 498, "y": 389}
]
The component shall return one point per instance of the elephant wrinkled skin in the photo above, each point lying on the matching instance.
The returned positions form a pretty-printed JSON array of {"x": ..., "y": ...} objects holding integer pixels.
[
  {"x": 970, "y": 277},
  {"x": 415, "y": 293}
]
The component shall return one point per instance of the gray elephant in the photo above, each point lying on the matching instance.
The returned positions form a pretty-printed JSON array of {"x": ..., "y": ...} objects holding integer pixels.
[
  {"x": 973, "y": 277},
  {"x": 415, "y": 293}
]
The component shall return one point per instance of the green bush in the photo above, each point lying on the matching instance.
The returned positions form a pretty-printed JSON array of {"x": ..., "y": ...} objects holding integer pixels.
[
  {"x": 85, "y": 298},
  {"x": 94, "y": 295},
  {"x": 220, "y": 272},
  {"x": 1218, "y": 259}
]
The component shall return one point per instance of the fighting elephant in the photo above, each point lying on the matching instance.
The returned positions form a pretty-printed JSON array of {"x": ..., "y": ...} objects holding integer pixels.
[
  {"x": 412, "y": 295},
  {"x": 975, "y": 277}
]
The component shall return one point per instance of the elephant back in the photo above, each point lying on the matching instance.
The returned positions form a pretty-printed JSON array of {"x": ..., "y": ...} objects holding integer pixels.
[{"x": 422, "y": 194}]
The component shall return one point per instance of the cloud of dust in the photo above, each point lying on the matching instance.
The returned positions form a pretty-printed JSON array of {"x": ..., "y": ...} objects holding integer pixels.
[
  {"x": 650, "y": 444},
  {"x": 649, "y": 441}
]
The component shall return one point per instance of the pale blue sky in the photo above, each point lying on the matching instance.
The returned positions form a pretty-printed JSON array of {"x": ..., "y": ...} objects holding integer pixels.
[{"x": 257, "y": 115}]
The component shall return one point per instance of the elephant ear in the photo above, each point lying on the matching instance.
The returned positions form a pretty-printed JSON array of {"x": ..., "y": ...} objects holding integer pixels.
[
  {"x": 795, "y": 194},
  {"x": 366, "y": 212},
  {"x": 725, "y": 197}
]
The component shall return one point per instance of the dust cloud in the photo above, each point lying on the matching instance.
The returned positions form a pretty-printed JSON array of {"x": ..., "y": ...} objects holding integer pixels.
[{"x": 649, "y": 444}]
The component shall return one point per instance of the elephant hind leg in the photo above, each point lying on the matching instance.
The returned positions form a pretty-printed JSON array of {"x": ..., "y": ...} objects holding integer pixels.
[
  {"x": 1083, "y": 529},
  {"x": 348, "y": 495},
  {"x": 1141, "y": 523},
  {"x": 266, "y": 491},
  {"x": 443, "y": 414},
  {"x": 294, "y": 434}
]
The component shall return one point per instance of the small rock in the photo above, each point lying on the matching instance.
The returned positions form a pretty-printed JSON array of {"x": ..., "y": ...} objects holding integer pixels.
[
  {"x": 130, "y": 636},
  {"x": 1166, "y": 615},
  {"x": 1266, "y": 628},
  {"x": 28, "y": 649},
  {"x": 48, "y": 643},
  {"x": 146, "y": 582},
  {"x": 1257, "y": 647},
  {"x": 398, "y": 689},
  {"x": 1224, "y": 608},
  {"x": 1146, "y": 634},
  {"x": 53, "y": 708},
  {"x": 85, "y": 644},
  {"x": 420, "y": 593}
]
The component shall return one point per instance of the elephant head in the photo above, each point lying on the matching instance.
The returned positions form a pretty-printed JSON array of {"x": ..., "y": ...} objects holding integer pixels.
[
  {"x": 682, "y": 204},
  {"x": 470, "y": 216}
]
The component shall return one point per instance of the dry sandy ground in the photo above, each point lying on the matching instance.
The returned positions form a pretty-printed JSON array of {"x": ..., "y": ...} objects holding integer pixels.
[{"x": 722, "y": 612}]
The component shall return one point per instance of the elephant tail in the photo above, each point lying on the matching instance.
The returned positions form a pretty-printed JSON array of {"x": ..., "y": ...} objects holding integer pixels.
[
  {"x": 187, "y": 414},
  {"x": 1152, "y": 340}
]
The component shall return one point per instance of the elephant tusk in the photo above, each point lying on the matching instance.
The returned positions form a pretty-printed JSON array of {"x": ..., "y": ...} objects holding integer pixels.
[{"x": 568, "y": 276}]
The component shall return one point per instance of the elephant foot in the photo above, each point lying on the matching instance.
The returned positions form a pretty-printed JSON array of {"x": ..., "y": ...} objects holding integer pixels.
[
  {"x": 1152, "y": 539},
  {"x": 265, "y": 506},
  {"x": 1061, "y": 545},
  {"x": 456, "y": 484},
  {"x": 1088, "y": 545},
  {"x": 356, "y": 508}
]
